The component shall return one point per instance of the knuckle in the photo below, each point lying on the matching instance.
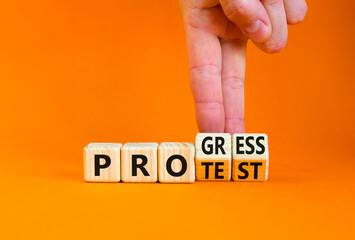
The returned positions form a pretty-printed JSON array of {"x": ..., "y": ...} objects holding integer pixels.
[
  {"x": 271, "y": 3},
  {"x": 298, "y": 16},
  {"x": 275, "y": 46},
  {"x": 232, "y": 8},
  {"x": 235, "y": 120},
  {"x": 205, "y": 82},
  {"x": 234, "y": 82},
  {"x": 295, "y": 19},
  {"x": 210, "y": 104},
  {"x": 208, "y": 70}
]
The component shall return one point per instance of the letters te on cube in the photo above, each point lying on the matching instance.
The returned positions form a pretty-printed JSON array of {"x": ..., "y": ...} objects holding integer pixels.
[{"x": 217, "y": 157}]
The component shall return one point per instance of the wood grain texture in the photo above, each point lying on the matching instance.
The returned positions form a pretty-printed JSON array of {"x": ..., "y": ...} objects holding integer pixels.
[
  {"x": 251, "y": 161},
  {"x": 168, "y": 150},
  {"x": 207, "y": 152},
  {"x": 149, "y": 150},
  {"x": 109, "y": 174}
]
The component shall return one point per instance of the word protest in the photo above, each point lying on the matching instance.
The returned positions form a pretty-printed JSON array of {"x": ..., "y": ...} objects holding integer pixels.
[{"x": 214, "y": 157}]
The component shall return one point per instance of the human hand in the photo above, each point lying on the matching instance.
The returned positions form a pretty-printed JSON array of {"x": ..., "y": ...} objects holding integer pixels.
[{"x": 217, "y": 32}]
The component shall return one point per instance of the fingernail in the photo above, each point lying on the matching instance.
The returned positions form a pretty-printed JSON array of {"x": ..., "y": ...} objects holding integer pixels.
[{"x": 257, "y": 31}]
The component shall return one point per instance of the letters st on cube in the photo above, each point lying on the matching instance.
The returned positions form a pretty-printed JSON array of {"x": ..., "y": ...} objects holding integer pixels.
[{"x": 214, "y": 157}]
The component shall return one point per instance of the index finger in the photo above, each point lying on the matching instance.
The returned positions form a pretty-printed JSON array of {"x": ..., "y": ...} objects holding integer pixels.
[{"x": 204, "y": 53}]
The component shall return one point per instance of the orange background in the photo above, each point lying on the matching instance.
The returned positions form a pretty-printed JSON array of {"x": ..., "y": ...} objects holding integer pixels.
[{"x": 75, "y": 72}]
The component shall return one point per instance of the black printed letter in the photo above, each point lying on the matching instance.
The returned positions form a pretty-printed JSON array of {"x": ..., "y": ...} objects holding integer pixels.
[
  {"x": 246, "y": 173},
  {"x": 97, "y": 163},
  {"x": 220, "y": 145},
  {"x": 260, "y": 145},
  {"x": 135, "y": 166},
  {"x": 218, "y": 170},
  {"x": 183, "y": 165},
  {"x": 210, "y": 146},
  {"x": 207, "y": 164},
  {"x": 256, "y": 164},
  {"x": 239, "y": 145}
]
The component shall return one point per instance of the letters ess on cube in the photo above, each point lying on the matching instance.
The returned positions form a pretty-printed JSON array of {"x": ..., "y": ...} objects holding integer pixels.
[
  {"x": 139, "y": 162},
  {"x": 250, "y": 157},
  {"x": 176, "y": 162},
  {"x": 102, "y": 162},
  {"x": 213, "y": 156}
]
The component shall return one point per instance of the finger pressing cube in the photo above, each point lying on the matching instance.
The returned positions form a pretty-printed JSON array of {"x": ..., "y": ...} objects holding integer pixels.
[{"x": 213, "y": 156}]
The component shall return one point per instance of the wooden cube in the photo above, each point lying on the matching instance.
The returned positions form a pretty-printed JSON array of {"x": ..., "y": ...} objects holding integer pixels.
[
  {"x": 250, "y": 157},
  {"x": 176, "y": 162},
  {"x": 213, "y": 156},
  {"x": 139, "y": 162},
  {"x": 102, "y": 162}
]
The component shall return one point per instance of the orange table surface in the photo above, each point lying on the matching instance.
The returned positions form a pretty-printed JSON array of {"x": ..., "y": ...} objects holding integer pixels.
[
  {"x": 75, "y": 72},
  {"x": 298, "y": 201}
]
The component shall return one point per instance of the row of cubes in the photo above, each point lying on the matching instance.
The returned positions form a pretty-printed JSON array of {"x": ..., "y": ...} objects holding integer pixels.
[{"x": 217, "y": 157}]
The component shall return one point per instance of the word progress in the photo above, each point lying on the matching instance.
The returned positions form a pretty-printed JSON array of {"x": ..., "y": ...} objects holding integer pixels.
[{"x": 217, "y": 157}]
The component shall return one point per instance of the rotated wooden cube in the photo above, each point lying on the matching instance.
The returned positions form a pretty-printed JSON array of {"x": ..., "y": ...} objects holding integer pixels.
[
  {"x": 213, "y": 156},
  {"x": 250, "y": 157},
  {"x": 139, "y": 162},
  {"x": 176, "y": 162},
  {"x": 102, "y": 162}
]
